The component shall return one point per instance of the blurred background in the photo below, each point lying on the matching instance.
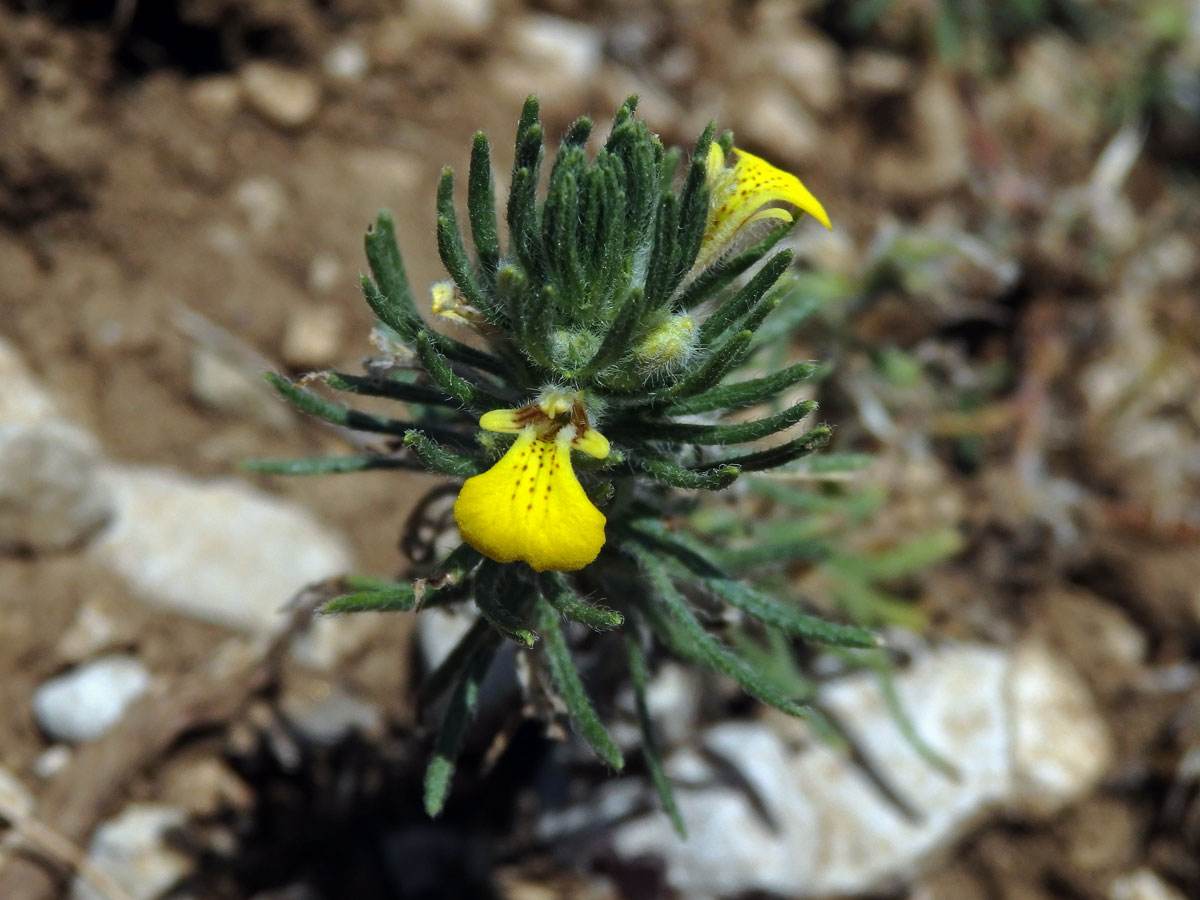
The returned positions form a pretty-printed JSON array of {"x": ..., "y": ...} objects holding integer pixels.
[{"x": 1008, "y": 301}]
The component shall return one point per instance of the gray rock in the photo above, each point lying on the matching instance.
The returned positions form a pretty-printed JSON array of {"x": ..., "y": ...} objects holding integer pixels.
[
  {"x": 50, "y": 498},
  {"x": 50, "y": 495},
  {"x": 450, "y": 18},
  {"x": 132, "y": 850},
  {"x": 85, "y": 702},
  {"x": 347, "y": 61},
  {"x": 801, "y": 820},
  {"x": 225, "y": 553},
  {"x": 284, "y": 97}
]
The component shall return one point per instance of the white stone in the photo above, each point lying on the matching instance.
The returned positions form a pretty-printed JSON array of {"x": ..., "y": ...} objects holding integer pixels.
[
  {"x": 84, "y": 703},
  {"x": 451, "y": 18},
  {"x": 774, "y": 118},
  {"x": 50, "y": 494},
  {"x": 327, "y": 714},
  {"x": 347, "y": 61},
  {"x": 1142, "y": 885},
  {"x": 92, "y": 631},
  {"x": 23, "y": 400},
  {"x": 231, "y": 388},
  {"x": 285, "y": 97},
  {"x": 1061, "y": 747},
  {"x": 439, "y": 630},
  {"x": 801, "y": 820},
  {"x": 132, "y": 849},
  {"x": 555, "y": 56},
  {"x": 811, "y": 67},
  {"x": 222, "y": 552},
  {"x": 263, "y": 201},
  {"x": 311, "y": 336},
  {"x": 52, "y": 760}
]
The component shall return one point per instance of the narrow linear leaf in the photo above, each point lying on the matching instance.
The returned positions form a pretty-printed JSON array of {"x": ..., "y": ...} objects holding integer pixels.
[
  {"x": 784, "y": 453},
  {"x": 705, "y": 644},
  {"x": 326, "y": 465},
  {"x": 390, "y": 388},
  {"x": 721, "y": 273},
  {"x": 745, "y": 299},
  {"x": 794, "y": 621},
  {"x": 481, "y": 207},
  {"x": 620, "y": 333},
  {"x": 387, "y": 267},
  {"x": 495, "y": 589},
  {"x": 459, "y": 712},
  {"x": 441, "y": 459},
  {"x": 397, "y": 598},
  {"x": 336, "y": 414},
  {"x": 456, "y": 387},
  {"x": 745, "y": 393},
  {"x": 570, "y": 687},
  {"x": 719, "y": 363},
  {"x": 452, "y": 251},
  {"x": 688, "y": 433},
  {"x": 559, "y": 593},
  {"x": 654, "y": 763},
  {"x": 710, "y": 479}
]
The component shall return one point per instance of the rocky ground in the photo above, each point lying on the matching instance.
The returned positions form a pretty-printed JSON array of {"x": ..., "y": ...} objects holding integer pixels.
[{"x": 1013, "y": 323}]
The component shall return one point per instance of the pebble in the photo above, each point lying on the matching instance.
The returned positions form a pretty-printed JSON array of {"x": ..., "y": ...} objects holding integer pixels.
[
  {"x": 229, "y": 388},
  {"x": 223, "y": 552},
  {"x": 85, "y": 702},
  {"x": 263, "y": 201},
  {"x": 311, "y": 336},
  {"x": 811, "y": 67},
  {"x": 875, "y": 75},
  {"x": 284, "y": 97},
  {"x": 92, "y": 631},
  {"x": 23, "y": 401},
  {"x": 451, "y": 18},
  {"x": 347, "y": 61},
  {"x": 773, "y": 118},
  {"x": 1060, "y": 743},
  {"x": 50, "y": 495},
  {"x": 801, "y": 820},
  {"x": 556, "y": 57},
  {"x": 216, "y": 97},
  {"x": 1142, "y": 884},
  {"x": 133, "y": 850},
  {"x": 941, "y": 159},
  {"x": 326, "y": 714}
]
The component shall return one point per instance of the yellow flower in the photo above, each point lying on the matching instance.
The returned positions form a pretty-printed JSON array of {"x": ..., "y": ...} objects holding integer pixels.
[
  {"x": 530, "y": 506},
  {"x": 738, "y": 193}
]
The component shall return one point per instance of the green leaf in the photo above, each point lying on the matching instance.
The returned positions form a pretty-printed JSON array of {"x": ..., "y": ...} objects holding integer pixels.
[
  {"x": 452, "y": 252},
  {"x": 496, "y": 592},
  {"x": 396, "y": 307},
  {"x": 481, "y": 207},
  {"x": 570, "y": 687},
  {"x": 708, "y": 373},
  {"x": 620, "y": 335},
  {"x": 709, "y": 479},
  {"x": 744, "y": 300},
  {"x": 472, "y": 396},
  {"x": 703, "y": 644},
  {"x": 325, "y": 465},
  {"x": 788, "y": 618},
  {"x": 688, "y": 433},
  {"x": 654, "y": 764},
  {"x": 390, "y": 388},
  {"x": 559, "y": 593},
  {"x": 721, "y": 273},
  {"x": 784, "y": 453},
  {"x": 459, "y": 712},
  {"x": 745, "y": 393},
  {"x": 396, "y": 598},
  {"x": 441, "y": 459}
]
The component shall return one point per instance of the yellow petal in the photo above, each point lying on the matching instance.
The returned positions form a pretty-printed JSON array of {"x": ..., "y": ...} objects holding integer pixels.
[
  {"x": 591, "y": 442},
  {"x": 505, "y": 421},
  {"x": 530, "y": 506},
  {"x": 738, "y": 194}
]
